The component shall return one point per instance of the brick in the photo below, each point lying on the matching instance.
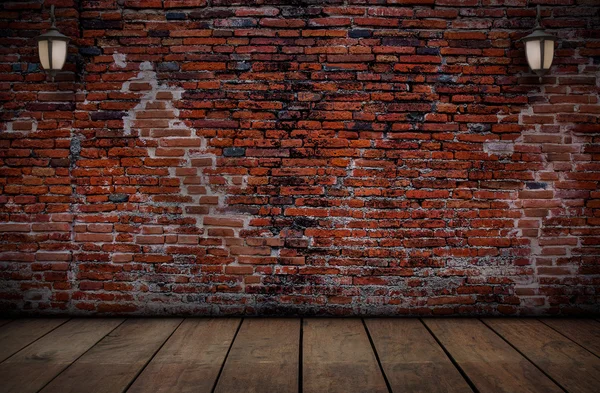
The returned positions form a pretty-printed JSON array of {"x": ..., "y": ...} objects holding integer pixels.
[
  {"x": 143, "y": 3},
  {"x": 239, "y": 270},
  {"x": 282, "y": 23},
  {"x": 6, "y": 227},
  {"x": 250, "y": 250},
  {"x": 51, "y": 227},
  {"x": 52, "y": 256},
  {"x": 184, "y": 3},
  {"x": 150, "y": 239},
  {"x": 226, "y": 222}
]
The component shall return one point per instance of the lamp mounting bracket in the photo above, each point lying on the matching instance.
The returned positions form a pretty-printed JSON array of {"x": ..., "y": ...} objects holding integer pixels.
[{"x": 52, "y": 17}]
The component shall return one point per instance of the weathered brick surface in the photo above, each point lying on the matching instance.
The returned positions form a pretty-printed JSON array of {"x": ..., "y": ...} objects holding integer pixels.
[{"x": 216, "y": 157}]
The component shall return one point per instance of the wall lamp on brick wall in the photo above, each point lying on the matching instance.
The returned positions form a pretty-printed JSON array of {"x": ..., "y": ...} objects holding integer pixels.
[
  {"x": 52, "y": 47},
  {"x": 539, "y": 48}
]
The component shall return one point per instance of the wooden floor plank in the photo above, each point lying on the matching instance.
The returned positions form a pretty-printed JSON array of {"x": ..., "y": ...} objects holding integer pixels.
[
  {"x": 33, "y": 367},
  {"x": 190, "y": 361},
  {"x": 411, "y": 358},
  {"x": 585, "y": 332},
  {"x": 338, "y": 357},
  {"x": 15, "y": 336},
  {"x": 490, "y": 363},
  {"x": 574, "y": 368},
  {"x": 263, "y": 358},
  {"x": 111, "y": 365}
]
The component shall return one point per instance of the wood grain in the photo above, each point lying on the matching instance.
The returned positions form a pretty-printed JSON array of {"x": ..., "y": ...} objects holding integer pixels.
[
  {"x": 338, "y": 357},
  {"x": 263, "y": 358},
  {"x": 411, "y": 358},
  {"x": 190, "y": 360},
  {"x": 574, "y": 368},
  {"x": 585, "y": 332},
  {"x": 34, "y": 366},
  {"x": 490, "y": 363},
  {"x": 15, "y": 336},
  {"x": 116, "y": 360}
]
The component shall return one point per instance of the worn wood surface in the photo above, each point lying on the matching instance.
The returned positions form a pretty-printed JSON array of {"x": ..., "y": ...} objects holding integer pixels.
[
  {"x": 115, "y": 361},
  {"x": 190, "y": 361},
  {"x": 226, "y": 355},
  {"x": 338, "y": 357},
  {"x": 20, "y": 333},
  {"x": 490, "y": 363},
  {"x": 37, "y": 364},
  {"x": 263, "y": 358},
  {"x": 585, "y": 332},
  {"x": 574, "y": 368},
  {"x": 412, "y": 359}
]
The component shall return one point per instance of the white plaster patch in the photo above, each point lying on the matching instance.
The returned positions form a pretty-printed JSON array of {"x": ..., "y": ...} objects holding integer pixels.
[
  {"x": 146, "y": 66},
  {"x": 120, "y": 59},
  {"x": 148, "y": 76}
]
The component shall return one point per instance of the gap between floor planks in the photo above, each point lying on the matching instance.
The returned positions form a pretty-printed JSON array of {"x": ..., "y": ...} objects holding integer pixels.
[{"x": 310, "y": 355}]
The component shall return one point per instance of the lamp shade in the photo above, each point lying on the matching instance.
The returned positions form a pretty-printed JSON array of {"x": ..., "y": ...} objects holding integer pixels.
[
  {"x": 52, "y": 48},
  {"x": 539, "y": 50}
]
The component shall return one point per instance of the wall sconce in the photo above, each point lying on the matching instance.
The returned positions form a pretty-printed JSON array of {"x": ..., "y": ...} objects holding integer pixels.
[
  {"x": 52, "y": 48},
  {"x": 539, "y": 48}
]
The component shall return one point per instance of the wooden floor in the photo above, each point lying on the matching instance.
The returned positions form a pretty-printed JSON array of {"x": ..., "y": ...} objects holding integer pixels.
[{"x": 299, "y": 355}]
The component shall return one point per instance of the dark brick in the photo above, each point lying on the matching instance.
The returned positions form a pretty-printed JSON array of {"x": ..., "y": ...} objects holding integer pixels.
[
  {"x": 107, "y": 115},
  {"x": 234, "y": 152},
  {"x": 428, "y": 51},
  {"x": 396, "y": 41},
  {"x": 90, "y": 51},
  {"x": 176, "y": 16},
  {"x": 168, "y": 66},
  {"x": 358, "y": 33},
  {"x": 158, "y": 33},
  {"x": 98, "y": 24},
  {"x": 536, "y": 185},
  {"x": 211, "y": 14},
  {"x": 118, "y": 198}
]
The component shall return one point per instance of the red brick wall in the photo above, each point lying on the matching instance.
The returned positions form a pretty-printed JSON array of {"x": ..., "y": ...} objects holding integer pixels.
[{"x": 300, "y": 157}]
